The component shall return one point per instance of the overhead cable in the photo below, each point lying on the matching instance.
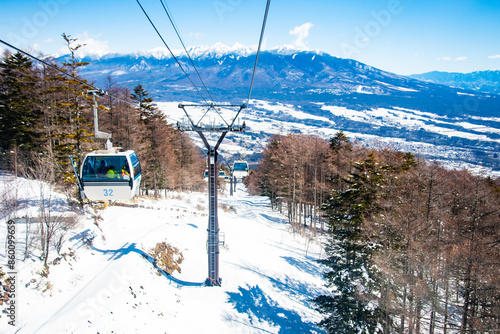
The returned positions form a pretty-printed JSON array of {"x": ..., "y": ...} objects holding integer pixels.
[
  {"x": 66, "y": 73},
  {"x": 166, "y": 45},
  {"x": 258, "y": 49},
  {"x": 165, "y": 7},
  {"x": 72, "y": 76}
]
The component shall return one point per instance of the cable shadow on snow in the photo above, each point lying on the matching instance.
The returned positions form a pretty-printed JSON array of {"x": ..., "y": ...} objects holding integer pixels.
[
  {"x": 259, "y": 308},
  {"x": 277, "y": 220},
  {"x": 246, "y": 203},
  {"x": 298, "y": 290},
  {"x": 310, "y": 268},
  {"x": 128, "y": 248}
]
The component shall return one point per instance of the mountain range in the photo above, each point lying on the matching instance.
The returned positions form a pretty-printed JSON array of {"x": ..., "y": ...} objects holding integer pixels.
[{"x": 314, "y": 84}]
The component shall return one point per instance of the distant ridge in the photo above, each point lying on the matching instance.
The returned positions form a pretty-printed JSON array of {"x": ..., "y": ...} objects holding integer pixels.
[{"x": 483, "y": 81}]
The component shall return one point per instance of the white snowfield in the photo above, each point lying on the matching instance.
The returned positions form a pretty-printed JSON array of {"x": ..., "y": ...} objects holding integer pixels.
[{"x": 269, "y": 274}]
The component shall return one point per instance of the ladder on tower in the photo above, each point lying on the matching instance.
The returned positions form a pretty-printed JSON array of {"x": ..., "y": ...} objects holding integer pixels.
[{"x": 213, "y": 226}]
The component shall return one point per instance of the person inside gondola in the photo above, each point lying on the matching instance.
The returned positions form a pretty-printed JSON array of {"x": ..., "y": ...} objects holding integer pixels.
[
  {"x": 111, "y": 174},
  {"x": 125, "y": 173},
  {"x": 101, "y": 171}
]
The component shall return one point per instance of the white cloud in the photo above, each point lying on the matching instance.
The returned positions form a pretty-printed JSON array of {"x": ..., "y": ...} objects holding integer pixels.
[
  {"x": 301, "y": 32},
  {"x": 494, "y": 57},
  {"x": 452, "y": 59},
  {"x": 90, "y": 45}
]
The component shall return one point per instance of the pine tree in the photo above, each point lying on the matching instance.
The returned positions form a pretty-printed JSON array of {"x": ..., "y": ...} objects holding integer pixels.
[
  {"x": 145, "y": 112},
  {"x": 339, "y": 141},
  {"x": 140, "y": 95},
  {"x": 351, "y": 308},
  {"x": 74, "y": 135},
  {"x": 19, "y": 111}
]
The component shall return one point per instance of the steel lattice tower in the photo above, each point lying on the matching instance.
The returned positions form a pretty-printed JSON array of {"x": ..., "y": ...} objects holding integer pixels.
[{"x": 213, "y": 240}]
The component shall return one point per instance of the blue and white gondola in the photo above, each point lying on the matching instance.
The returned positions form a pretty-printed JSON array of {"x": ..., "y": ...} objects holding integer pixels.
[
  {"x": 113, "y": 174},
  {"x": 240, "y": 169}
]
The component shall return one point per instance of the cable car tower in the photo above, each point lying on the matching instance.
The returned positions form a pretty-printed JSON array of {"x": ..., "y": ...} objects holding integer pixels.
[
  {"x": 213, "y": 241},
  {"x": 223, "y": 128}
]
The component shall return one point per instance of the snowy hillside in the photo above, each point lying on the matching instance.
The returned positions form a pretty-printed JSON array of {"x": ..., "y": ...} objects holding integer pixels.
[
  {"x": 265, "y": 118},
  {"x": 269, "y": 273}
]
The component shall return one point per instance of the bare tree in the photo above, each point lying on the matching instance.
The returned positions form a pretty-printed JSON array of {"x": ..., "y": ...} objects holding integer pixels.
[{"x": 52, "y": 223}]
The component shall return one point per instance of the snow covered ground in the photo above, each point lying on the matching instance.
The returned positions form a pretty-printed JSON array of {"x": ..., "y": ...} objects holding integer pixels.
[{"x": 269, "y": 274}]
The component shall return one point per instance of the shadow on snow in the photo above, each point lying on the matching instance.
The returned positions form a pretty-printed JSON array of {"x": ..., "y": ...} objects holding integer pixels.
[
  {"x": 128, "y": 248},
  {"x": 277, "y": 220},
  {"x": 257, "y": 305},
  {"x": 311, "y": 268}
]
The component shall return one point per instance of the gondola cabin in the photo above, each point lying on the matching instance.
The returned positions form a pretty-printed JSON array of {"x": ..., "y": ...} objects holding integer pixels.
[
  {"x": 240, "y": 169},
  {"x": 110, "y": 175}
]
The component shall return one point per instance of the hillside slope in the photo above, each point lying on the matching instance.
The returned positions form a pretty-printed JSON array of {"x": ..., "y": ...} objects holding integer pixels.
[{"x": 269, "y": 274}]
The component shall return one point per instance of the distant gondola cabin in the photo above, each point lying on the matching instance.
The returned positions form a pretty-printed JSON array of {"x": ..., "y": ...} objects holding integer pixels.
[{"x": 240, "y": 169}]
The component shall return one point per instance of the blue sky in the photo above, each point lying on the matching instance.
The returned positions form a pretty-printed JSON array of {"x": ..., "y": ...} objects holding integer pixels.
[{"x": 400, "y": 36}]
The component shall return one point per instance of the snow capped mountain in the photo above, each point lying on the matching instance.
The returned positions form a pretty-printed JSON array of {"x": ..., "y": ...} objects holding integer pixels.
[
  {"x": 220, "y": 50},
  {"x": 289, "y": 49},
  {"x": 313, "y": 83},
  {"x": 217, "y": 50},
  {"x": 230, "y": 67}
]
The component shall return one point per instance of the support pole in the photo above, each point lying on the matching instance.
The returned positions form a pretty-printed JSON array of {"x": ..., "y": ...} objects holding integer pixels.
[
  {"x": 97, "y": 133},
  {"x": 213, "y": 219},
  {"x": 231, "y": 183},
  {"x": 213, "y": 239}
]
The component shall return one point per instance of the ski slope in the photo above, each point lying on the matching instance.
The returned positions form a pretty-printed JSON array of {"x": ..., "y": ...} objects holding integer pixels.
[{"x": 269, "y": 274}]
